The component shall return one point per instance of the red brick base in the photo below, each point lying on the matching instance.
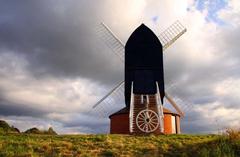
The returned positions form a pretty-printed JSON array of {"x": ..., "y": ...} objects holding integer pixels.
[{"x": 119, "y": 122}]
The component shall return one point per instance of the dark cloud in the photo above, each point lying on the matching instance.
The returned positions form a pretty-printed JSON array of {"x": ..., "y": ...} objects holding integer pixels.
[
  {"x": 58, "y": 39},
  {"x": 11, "y": 109}
]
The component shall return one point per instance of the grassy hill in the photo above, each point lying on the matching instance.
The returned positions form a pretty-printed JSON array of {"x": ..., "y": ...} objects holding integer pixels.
[
  {"x": 26, "y": 145},
  {"x": 39, "y": 143}
]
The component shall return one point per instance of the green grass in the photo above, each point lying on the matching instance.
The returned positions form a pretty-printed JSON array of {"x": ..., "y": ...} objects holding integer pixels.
[{"x": 23, "y": 145}]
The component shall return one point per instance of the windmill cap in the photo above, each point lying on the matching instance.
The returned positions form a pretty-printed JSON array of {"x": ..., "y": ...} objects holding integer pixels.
[{"x": 143, "y": 35}]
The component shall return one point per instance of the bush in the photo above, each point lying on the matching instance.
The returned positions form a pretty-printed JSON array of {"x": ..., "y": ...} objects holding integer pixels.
[
  {"x": 50, "y": 131},
  {"x": 5, "y": 128},
  {"x": 233, "y": 134}
]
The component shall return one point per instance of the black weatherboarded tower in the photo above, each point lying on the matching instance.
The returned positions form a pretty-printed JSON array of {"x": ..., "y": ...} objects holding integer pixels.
[{"x": 143, "y": 64}]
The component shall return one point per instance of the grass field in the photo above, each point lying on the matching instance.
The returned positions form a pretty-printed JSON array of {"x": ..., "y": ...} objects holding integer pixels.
[{"x": 23, "y": 145}]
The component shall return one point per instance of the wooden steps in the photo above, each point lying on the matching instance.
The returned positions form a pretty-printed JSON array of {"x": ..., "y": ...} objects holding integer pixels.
[{"x": 140, "y": 103}]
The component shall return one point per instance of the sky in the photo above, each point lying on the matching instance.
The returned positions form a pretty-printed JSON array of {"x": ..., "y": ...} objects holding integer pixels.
[{"x": 53, "y": 69}]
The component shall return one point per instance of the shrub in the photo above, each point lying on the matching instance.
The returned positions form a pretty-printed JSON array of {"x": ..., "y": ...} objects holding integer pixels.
[
  {"x": 233, "y": 134},
  {"x": 5, "y": 128}
]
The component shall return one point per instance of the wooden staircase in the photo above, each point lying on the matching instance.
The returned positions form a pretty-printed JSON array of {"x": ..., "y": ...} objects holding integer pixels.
[{"x": 140, "y": 103}]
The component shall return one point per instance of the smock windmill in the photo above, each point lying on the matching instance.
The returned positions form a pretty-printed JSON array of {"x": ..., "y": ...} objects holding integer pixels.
[{"x": 144, "y": 88}]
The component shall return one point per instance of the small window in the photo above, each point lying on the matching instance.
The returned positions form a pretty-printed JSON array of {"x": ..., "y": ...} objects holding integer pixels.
[{"x": 144, "y": 98}]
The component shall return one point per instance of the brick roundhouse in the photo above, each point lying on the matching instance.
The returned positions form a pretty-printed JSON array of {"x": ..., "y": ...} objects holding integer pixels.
[{"x": 119, "y": 122}]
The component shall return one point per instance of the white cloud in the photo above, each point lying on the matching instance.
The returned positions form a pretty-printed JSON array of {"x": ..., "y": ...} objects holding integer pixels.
[
  {"x": 50, "y": 94},
  {"x": 232, "y": 13}
]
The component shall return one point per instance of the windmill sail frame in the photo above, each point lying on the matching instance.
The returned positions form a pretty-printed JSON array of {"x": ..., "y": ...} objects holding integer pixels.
[{"x": 167, "y": 37}]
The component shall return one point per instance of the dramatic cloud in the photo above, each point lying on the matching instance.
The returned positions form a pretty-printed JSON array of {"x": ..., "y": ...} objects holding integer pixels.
[{"x": 52, "y": 68}]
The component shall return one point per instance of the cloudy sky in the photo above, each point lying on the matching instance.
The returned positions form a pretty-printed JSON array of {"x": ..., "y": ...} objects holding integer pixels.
[{"x": 53, "y": 70}]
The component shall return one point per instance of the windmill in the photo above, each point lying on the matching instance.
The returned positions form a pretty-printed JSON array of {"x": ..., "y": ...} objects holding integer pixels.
[{"x": 144, "y": 89}]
